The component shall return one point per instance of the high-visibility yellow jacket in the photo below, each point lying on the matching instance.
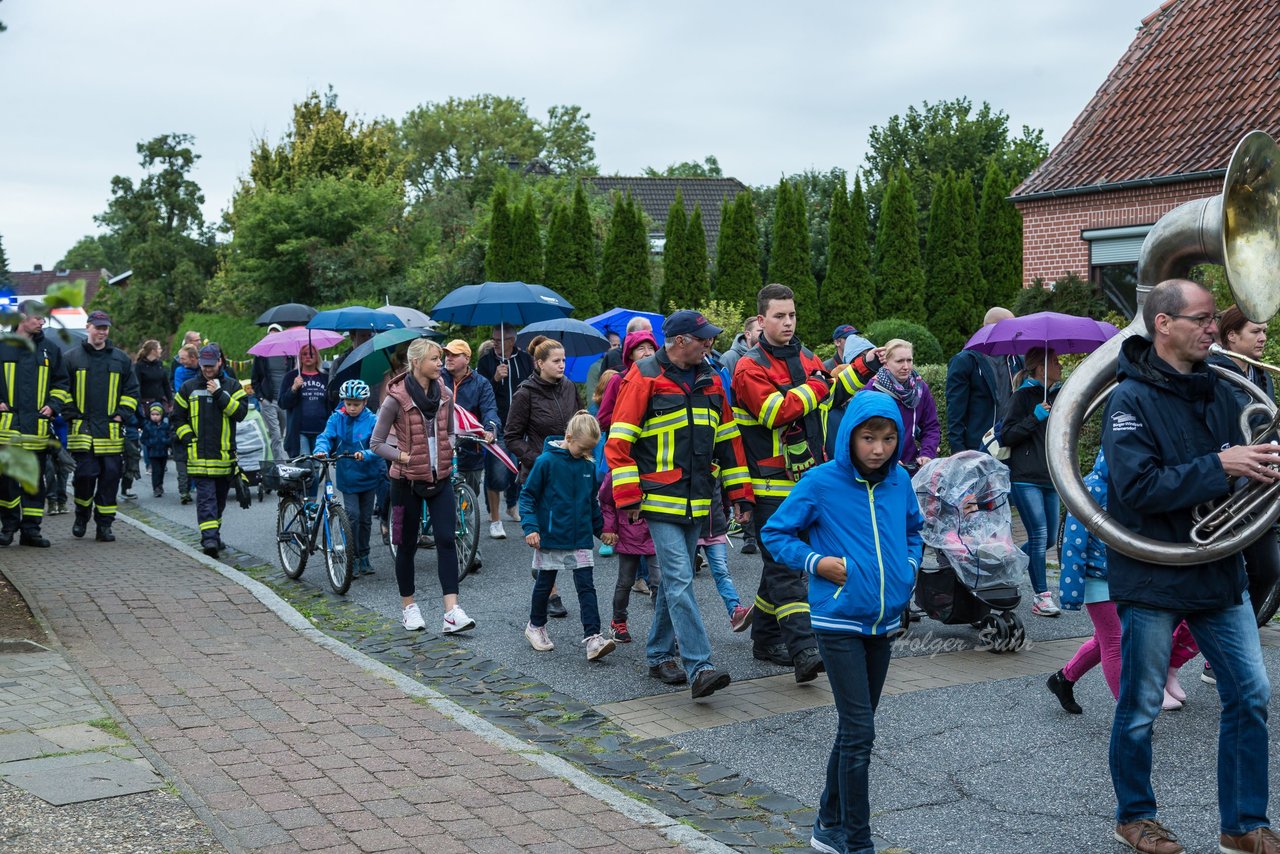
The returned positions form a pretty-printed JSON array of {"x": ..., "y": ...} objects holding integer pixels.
[
  {"x": 103, "y": 387},
  {"x": 206, "y": 424},
  {"x": 31, "y": 378}
]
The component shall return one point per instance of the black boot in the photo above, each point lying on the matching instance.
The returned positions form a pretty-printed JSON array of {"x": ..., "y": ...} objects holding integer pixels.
[
  {"x": 33, "y": 539},
  {"x": 79, "y": 526},
  {"x": 104, "y": 534},
  {"x": 808, "y": 665},
  {"x": 774, "y": 654},
  {"x": 1064, "y": 690},
  {"x": 6, "y": 537}
]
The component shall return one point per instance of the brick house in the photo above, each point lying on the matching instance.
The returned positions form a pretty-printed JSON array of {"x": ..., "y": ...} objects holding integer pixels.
[
  {"x": 655, "y": 195},
  {"x": 36, "y": 282},
  {"x": 1160, "y": 131}
]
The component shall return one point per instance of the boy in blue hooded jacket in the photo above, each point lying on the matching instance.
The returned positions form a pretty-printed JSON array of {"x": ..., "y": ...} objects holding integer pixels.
[
  {"x": 347, "y": 432},
  {"x": 861, "y": 560}
]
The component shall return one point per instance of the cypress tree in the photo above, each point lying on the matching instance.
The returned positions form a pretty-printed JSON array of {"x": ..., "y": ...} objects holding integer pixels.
[
  {"x": 696, "y": 249},
  {"x": 526, "y": 243},
  {"x": 999, "y": 240},
  {"x": 970, "y": 258},
  {"x": 555, "y": 275},
  {"x": 624, "y": 270},
  {"x": 4, "y": 263},
  {"x": 497, "y": 256},
  {"x": 675, "y": 258},
  {"x": 950, "y": 300},
  {"x": 738, "y": 254},
  {"x": 899, "y": 273},
  {"x": 862, "y": 306},
  {"x": 837, "y": 294},
  {"x": 789, "y": 261},
  {"x": 582, "y": 264}
]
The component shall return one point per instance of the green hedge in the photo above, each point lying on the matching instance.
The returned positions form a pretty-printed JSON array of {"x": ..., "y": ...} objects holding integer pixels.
[
  {"x": 235, "y": 335},
  {"x": 925, "y": 346}
]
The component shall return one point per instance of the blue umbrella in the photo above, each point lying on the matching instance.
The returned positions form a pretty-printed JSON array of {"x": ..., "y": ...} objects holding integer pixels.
[
  {"x": 613, "y": 320},
  {"x": 578, "y": 337},
  {"x": 355, "y": 317},
  {"x": 492, "y": 303}
]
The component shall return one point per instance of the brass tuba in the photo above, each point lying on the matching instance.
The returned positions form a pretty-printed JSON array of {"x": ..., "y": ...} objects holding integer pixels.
[{"x": 1239, "y": 230}]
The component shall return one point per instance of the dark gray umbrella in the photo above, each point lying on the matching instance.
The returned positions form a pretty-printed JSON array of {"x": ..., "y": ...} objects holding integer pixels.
[{"x": 287, "y": 314}]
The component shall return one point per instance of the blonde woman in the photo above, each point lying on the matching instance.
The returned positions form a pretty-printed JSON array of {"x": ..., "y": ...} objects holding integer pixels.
[
  {"x": 922, "y": 432},
  {"x": 418, "y": 409}
]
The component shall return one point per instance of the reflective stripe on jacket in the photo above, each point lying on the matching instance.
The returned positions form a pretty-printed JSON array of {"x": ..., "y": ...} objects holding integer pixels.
[
  {"x": 205, "y": 424},
  {"x": 103, "y": 387},
  {"x": 30, "y": 379}
]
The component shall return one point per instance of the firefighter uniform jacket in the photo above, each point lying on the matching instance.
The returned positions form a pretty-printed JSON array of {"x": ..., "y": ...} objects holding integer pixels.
[
  {"x": 667, "y": 439},
  {"x": 767, "y": 401},
  {"x": 206, "y": 424},
  {"x": 31, "y": 379},
  {"x": 102, "y": 385}
]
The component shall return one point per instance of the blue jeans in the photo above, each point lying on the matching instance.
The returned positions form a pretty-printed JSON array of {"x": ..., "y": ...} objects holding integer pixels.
[
  {"x": 676, "y": 615},
  {"x": 1038, "y": 509},
  {"x": 856, "y": 670},
  {"x": 359, "y": 507},
  {"x": 1229, "y": 640},
  {"x": 584, "y": 581},
  {"x": 718, "y": 560}
]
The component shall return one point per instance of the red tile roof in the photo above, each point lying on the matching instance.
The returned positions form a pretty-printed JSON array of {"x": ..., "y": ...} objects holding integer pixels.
[{"x": 1198, "y": 76}]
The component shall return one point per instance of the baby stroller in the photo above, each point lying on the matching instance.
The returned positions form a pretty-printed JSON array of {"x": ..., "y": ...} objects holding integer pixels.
[
  {"x": 253, "y": 448},
  {"x": 971, "y": 566}
]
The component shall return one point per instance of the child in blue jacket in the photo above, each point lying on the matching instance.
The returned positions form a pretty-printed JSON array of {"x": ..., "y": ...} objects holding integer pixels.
[
  {"x": 861, "y": 546},
  {"x": 157, "y": 436},
  {"x": 560, "y": 514},
  {"x": 347, "y": 432}
]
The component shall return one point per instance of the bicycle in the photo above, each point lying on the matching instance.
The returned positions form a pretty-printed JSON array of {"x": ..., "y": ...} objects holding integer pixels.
[
  {"x": 300, "y": 521},
  {"x": 467, "y": 512}
]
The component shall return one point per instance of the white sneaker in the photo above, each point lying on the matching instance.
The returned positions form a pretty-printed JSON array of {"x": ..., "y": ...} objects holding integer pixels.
[
  {"x": 598, "y": 646},
  {"x": 497, "y": 531},
  {"x": 538, "y": 638},
  {"x": 413, "y": 618},
  {"x": 1043, "y": 606},
  {"x": 456, "y": 620}
]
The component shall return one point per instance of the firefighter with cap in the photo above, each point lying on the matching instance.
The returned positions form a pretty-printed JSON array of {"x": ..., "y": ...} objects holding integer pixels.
[
  {"x": 33, "y": 390},
  {"x": 104, "y": 392},
  {"x": 205, "y": 413}
]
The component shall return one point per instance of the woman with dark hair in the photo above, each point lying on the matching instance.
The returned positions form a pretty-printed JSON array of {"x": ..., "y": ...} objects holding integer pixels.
[
  {"x": 1022, "y": 431},
  {"x": 1241, "y": 335},
  {"x": 153, "y": 378},
  {"x": 541, "y": 409}
]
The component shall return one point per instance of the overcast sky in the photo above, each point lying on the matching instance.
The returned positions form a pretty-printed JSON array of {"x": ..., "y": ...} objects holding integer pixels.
[{"x": 769, "y": 88}]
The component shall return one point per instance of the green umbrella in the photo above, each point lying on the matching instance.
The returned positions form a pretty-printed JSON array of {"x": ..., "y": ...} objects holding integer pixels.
[{"x": 372, "y": 359}]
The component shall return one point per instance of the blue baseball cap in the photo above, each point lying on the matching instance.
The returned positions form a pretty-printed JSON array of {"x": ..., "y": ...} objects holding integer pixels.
[
  {"x": 844, "y": 330},
  {"x": 689, "y": 322}
]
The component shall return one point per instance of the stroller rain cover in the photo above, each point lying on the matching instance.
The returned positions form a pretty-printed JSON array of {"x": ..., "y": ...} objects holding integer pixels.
[{"x": 964, "y": 499}]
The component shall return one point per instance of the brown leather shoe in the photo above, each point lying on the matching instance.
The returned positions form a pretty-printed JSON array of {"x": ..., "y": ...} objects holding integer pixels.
[
  {"x": 1262, "y": 840},
  {"x": 1148, "y": 836}
]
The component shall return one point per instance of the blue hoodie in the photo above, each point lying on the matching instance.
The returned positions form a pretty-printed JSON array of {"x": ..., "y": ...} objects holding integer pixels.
[
  {"x": 875, "y": 527},
  {"x": 346, "y": 435},
  {"x": 558, "y": 500}
]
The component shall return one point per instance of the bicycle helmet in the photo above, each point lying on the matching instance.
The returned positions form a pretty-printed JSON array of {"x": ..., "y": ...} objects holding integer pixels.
[{"x": 354, "y": 390}]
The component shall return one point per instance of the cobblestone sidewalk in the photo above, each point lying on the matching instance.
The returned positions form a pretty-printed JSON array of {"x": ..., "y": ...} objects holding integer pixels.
[{"x": 290, "y": 746}]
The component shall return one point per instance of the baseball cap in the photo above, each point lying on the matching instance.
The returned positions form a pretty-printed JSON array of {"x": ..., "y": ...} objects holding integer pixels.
[
  {"x": 458, "y": 347},
  {"x": 98, "y": 317},
  {"x": 210, "y": 355},
  {"x": 844, "y": 330},
  {"x": 689, "y": 322}
]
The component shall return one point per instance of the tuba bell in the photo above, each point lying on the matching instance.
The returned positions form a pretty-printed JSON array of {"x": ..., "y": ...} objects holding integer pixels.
[{"x": 1237, "y": 229}]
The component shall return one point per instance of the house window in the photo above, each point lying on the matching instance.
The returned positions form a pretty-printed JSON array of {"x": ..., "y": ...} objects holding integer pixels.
[{"x": 1113, "y": 264}]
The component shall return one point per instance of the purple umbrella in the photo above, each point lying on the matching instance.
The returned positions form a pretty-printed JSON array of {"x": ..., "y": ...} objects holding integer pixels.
[
  {"x": 1061, "y": 333},
  {"x": 287, "y": 342}
]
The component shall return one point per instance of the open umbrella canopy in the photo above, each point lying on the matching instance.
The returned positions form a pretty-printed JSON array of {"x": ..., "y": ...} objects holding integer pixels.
[
  {"x": 287, "y": 314},
  {"x": 491, "y": 303},
  {"x": 410, "y": 317},
  {"x": 372, "y": 359},
  {"x": 355, "y": 317},
  {"x": 287, "y": 342},
  {"x": 578, "y": 337},
  {"x": 613, "y": 320},
  {"x": 1061, "y": 333}
]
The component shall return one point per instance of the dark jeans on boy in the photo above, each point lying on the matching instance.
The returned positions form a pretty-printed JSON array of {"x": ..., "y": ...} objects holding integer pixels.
[
  {"x": 158, "y": 467},
  {"x": 359, "y": 507},
  {"x": 628, "y": 570},
  {"x": 856, "y": 670},
  {"x": 585, "y": 584}
]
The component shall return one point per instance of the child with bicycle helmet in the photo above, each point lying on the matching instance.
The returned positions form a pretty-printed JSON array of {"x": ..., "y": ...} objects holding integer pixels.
[{"x": 347, "y": 432}]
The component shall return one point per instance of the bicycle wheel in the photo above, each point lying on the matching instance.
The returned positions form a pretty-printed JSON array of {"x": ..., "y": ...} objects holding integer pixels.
[
  {"x": 291, "y": 537},
  {"x": 339, "y": 548},
  {"x": 468, "y": 513}
]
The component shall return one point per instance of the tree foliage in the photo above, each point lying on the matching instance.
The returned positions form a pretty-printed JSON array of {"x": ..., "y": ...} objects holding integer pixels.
[
  {"x": 738, "y": 252},
  {"x": 999, "y": 239},
  {"x": 950, "y": 288},
  {"x": 900, "y": 279},
  {"x": 160, "y": 230},
  {"x": 624, "y": 271},
  {"x": 675, "y": 256},
  {"x": 817, "y": 190},
  {"x": 789, "y": 260},
  {"x": 696, "y": 246},
  {"x": 96, "y": 252},
  {"x": 927, "y": 350},
  {"x": 473, "y": 139},
  {"x": 498, "y": 266},
  {"x": 4, "y": 263},
  {"x": 526, "y": 243},
  {"x": 848, "y": 290},
  {"x": 582, "y": 264},
  {"x": 708, "y": 168}
]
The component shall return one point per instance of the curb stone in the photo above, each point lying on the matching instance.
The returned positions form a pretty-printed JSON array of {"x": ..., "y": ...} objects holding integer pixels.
[{"x": 685, "y": 796}]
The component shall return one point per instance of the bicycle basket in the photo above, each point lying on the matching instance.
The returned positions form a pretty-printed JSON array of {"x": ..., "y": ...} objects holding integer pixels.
[{"x": 284, "y": 478}]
